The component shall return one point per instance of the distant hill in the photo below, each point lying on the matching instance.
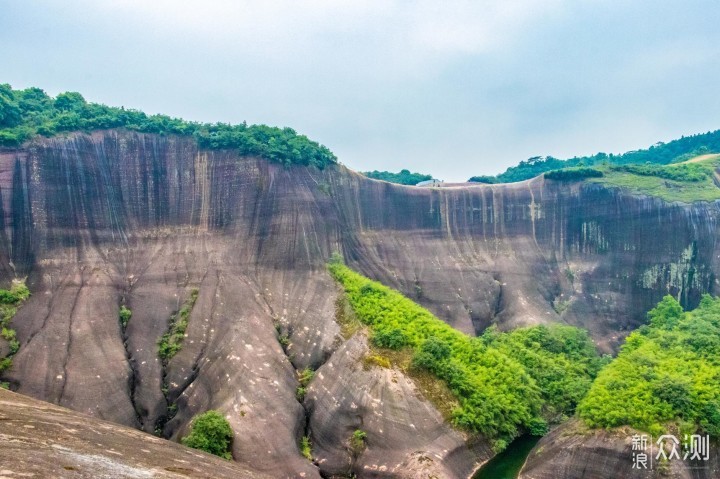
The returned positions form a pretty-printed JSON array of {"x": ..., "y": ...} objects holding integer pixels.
[
  {"x": 403, "y": 177},
  {"x": 660, "y": 153}
]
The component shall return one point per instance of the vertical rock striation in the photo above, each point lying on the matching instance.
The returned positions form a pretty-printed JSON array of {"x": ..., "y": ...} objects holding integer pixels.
[{"x": 117, "y": 216}]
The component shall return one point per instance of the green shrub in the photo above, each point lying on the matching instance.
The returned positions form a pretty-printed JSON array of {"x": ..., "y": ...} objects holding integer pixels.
[
  {"x": 404, "y": 177},
  {"x": 125, "y": 315},
  {"x": 305, "y": 376},
  {"x": 483, "y": 179},
  {"x": 211, "y": 432},
  {"x": 357, "y": 441},
  {"x": 10, "y": 300},
  {"x": 573, "y": 174},
  {"x": 5, "y": 364},
  {"x": 389, "y": 338}
]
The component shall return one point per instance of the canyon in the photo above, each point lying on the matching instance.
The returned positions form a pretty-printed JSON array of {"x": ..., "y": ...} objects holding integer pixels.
[{"x": 96, "y": 221}]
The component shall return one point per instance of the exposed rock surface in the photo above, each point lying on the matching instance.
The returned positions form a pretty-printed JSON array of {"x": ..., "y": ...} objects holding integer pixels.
[
  {"x": 406, "y": 436},
  {"x": 40, "y": 440},
  {"x": 573, "y": 452},
  {"x": 118, "y": 217}
]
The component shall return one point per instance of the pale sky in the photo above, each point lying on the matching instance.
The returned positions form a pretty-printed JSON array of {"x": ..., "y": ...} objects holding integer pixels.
[{"x": 450, "y": 88}]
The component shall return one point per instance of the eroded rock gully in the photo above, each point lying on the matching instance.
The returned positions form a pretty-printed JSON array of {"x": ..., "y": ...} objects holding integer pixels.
[{"x": 94, "y": 220}]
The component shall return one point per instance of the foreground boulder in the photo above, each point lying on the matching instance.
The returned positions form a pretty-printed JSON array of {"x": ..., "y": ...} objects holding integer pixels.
[{"x": 38, "y": 439}]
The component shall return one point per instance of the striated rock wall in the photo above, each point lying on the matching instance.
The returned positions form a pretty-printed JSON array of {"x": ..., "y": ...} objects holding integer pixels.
[{"x": 120, "y": 217}]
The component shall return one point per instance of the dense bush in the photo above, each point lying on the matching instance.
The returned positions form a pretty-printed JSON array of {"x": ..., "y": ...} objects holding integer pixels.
[
  {"x": 211, "y": 432},
  {"x": 573, "y": 174},
  {"x": 483, "y": 179},
  {"x": 404, "y": 177},
  {"x": 666, "y": 372},
  {"x": 505, "y": 383},
  {"x": 30, "y": 112}
]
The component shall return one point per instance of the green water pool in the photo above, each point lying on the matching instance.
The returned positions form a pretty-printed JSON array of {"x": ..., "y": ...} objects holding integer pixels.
[{"x": 508, "y": 463}]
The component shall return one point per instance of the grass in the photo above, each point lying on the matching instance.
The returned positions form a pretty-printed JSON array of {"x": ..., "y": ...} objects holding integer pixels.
[
  {"x": 685, "y": 182},
  {"x": 171, "y": 342}
]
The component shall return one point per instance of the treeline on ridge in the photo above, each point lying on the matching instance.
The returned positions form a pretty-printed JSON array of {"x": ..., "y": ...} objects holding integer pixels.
[
  {"x": 403, "y": 177},
  {"x": 27, "y": 113},
  {"x": 659, "y": 154}
]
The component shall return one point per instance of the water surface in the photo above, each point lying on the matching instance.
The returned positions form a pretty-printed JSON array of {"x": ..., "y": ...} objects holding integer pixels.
[{"x": 508, "y": 463}]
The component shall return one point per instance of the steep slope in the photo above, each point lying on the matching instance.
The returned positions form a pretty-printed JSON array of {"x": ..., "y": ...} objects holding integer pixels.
[
  {"x": 117, "y": 217},
  {"x": 38, "y": 439}
]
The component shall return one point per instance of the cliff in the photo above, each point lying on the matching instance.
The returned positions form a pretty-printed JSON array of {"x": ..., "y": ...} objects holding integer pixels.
[{"x": 116, "y": 217}]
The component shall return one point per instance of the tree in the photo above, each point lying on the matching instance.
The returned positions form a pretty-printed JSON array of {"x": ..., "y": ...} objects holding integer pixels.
[{"x": 211, "y": 432}]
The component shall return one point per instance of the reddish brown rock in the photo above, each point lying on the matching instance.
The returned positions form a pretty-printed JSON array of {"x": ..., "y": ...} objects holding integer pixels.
[
  {"x": 115, "y": 217},
  {"x": 41, "y": 440}
]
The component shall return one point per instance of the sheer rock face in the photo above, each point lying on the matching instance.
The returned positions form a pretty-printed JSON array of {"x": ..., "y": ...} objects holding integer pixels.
[
  {"x": 38, "y": 439},
  {"x": 573, "y": 452},
  {"x": 95, "y": 221}
]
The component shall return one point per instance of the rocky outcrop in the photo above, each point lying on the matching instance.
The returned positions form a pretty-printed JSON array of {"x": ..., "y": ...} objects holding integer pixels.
[
  {"x": 571, "y": 451},
  {"x": 117, "y": 217},
  {"x": 405, "y": 436},
  {"x": 38, "y": 439}
]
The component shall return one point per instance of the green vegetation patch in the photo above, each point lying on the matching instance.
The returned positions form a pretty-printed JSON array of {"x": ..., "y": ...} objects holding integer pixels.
[
  {"x": 171, "y": 342},
  {"x": 27, "y": 113},
  {"x": 683, "y": 182},
  {"x": 666, "y": 376},
  {"x": 306, "y": 448},
  {"x": 10, "y": 300},
  {"x": 403, "y": 177},
  {"x": 503, "y": 383},
  {"x": 211, "y": 432},
  {"x": 357, "y": 441}
]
